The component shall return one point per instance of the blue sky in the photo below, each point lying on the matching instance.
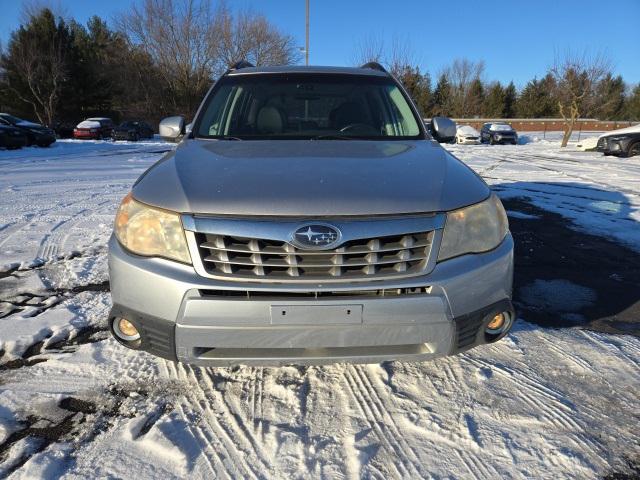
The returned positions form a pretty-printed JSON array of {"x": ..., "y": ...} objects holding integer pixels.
[{"x": 517, "y": 40}]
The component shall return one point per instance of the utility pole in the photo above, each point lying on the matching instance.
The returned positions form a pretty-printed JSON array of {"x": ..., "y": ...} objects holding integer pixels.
[{"x": 306, "y": 46}]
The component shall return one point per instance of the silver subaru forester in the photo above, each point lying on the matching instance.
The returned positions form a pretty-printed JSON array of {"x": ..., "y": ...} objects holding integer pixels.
[{"x": 307, "y": 217}]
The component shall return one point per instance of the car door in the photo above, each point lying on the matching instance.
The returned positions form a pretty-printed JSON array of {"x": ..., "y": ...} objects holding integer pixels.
[{"x": 484, "y": 135}]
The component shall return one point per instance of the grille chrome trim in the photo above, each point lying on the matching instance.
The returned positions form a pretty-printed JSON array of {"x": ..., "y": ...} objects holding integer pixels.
[{"x": 371, "y": 249}]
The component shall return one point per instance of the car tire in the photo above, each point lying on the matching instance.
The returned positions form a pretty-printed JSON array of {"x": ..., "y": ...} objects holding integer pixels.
[
  {"x": 634, "y": 149},
  {"x": 491, "y": 140},
  {"x": 136, "y": 137}
]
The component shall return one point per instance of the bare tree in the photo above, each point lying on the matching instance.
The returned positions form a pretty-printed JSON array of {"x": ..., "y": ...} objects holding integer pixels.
[
  {"x": 576, "y": 79},
  {"x": 250, "y": 36},
  {"x": 396, "y": 59},
  {"x": 33, "y": 8},
  {"x": 191, "y": 43},
  {"x": 177, "y": 36},
  {"x": 462, "y": 74},
  {"x": 37, "y": 70},
  {"x": 369, "y": 49}
]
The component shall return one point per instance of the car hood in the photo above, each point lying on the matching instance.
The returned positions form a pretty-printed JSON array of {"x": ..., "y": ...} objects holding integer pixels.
[
  {"x": 309, "y": 178},
  {"x": 620, "y": 131},
  {"x": 26, "y": 124}
]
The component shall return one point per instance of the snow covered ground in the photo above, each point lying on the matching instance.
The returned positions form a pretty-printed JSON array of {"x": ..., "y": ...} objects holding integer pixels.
[{"x": 542, "y": 403}]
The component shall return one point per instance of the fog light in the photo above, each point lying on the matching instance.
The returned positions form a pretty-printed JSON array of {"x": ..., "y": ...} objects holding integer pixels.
[
  {"x": 496, "y": 322},
  {"x": 125, "y": 329},
  {"x": 499, "y": 323}
]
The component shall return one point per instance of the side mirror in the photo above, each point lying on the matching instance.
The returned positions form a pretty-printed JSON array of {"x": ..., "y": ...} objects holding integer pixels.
[
  {"x": 188, "y": 128},
  {"x": 443, "y": 129},
  {"x": 172, "y": 127}
]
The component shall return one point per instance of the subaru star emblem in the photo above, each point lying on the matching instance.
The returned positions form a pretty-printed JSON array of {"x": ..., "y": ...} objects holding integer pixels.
[{"x": 316, "y": 236}]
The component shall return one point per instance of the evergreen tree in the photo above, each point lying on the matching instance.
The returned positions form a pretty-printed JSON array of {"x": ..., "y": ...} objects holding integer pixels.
[
  {"x": 442, "y": 97},
  {"x": 510, "y": 98},
  {"x": 536, "y": 99},
  {"x": 418, "y": 86},
  {"x": 475, "y": 100},
  {"x": 633, "y": 104},
  {"x": 494, "y": 101},
  {"x": 610, "y": 93},
  {"x": 36, "y": 65}
]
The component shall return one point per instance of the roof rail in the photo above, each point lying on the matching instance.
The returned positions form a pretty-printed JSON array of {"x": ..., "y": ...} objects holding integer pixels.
[
  {"x": 240, "y": 64},
  {"x": 374, "y": 66}
]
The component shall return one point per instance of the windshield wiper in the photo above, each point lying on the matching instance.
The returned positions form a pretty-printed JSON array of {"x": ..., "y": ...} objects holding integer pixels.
[
  {"x": 333, "y": 137},
  {"x": 228, "y": 137}
]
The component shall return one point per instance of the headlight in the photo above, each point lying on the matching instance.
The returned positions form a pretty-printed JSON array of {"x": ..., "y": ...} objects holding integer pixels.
[
  {"x": 150, "y": 231},
  {"x": 478, "y": 228}
]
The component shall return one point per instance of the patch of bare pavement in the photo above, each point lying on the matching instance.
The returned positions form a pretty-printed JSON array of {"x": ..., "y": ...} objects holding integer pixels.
[{"x": 565, "y": 277}]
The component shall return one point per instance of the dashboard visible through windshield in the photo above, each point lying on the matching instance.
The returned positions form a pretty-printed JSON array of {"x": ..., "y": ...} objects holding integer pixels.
[{"x": 307, "y": 106}]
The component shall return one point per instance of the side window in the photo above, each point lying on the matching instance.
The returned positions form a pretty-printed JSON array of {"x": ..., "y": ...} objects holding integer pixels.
[
  {"x": 405, "y": 120},
  {"x": 210, "y": 123}
]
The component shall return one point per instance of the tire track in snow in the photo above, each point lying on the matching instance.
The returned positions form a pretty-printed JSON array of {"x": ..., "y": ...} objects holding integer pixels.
[
  {"x": 374, "y": 395},
  {"x": 534, "y": 393},
  {"x": 375, "y": 417},
  {"x": 221, "y": 424},
  {"x": 209, "y": 459},
  {"x": 235, "y": 422}
]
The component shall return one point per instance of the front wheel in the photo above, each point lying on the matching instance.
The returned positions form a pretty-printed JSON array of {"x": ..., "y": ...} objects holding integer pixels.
[
  {"x": 491, "y": 140},
  {"x": 634, "y": 150}
]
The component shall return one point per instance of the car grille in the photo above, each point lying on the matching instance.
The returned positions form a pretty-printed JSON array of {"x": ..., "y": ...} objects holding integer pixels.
[{"x": 364, "y": 259}]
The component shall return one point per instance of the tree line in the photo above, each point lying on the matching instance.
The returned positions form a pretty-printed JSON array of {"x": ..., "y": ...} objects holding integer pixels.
[
  {"x": 460, "y": 92},
  {"x": 160, "y": 57}
]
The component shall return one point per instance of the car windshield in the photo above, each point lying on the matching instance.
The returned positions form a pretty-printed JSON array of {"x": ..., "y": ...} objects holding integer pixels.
[
  {"x": 307, "y": 106},
  {"x": 11, "y": 118},
  {"x": 500, "y": 127},
  {"x": 128, "y": 124}
]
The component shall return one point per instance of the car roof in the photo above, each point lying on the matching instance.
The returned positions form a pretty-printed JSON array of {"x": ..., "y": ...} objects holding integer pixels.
[
  {"x": 98, "y": 118},
  {"x": 309, "y": 69}
]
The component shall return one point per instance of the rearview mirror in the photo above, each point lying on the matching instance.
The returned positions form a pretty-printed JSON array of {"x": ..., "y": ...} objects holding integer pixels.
[
  {"x": 172, "y": 127},
  {"x": 443, "y": 129}
]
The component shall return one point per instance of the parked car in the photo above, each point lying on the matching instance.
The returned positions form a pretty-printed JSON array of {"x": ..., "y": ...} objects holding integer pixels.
[
  {"x": 64, "y": 129},
  {"x": 35, "y": 133},
  {"x": 132, "y": 130},
  {"x": 621, "y": 145},
  {"x": 308, "y": 218},
  {"x": 12, "y": 138},
  {"x": 467, "y": 135},
  {"x": 603, "y": 141},
  {"x": 94, "y": 128},
  {"x": 498, "y": 132}
]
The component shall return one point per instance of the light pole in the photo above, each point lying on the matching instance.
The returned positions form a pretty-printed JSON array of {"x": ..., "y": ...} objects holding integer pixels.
[{"x": 306, "y": 45}]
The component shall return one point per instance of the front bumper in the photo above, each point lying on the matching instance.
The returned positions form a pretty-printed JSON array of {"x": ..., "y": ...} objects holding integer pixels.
[
  {"x": 505, "y": 139},
  {"x": 44, "y": 139},
  {"x": 127, "y": 136},
  {"x": 618, "y": 148},
  {"x": 468, "y": 141},
  {"x": 186, "y": 317}
]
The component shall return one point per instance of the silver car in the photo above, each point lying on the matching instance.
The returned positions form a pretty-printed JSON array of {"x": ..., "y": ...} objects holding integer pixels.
[{"x": 308, "y": 217}]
